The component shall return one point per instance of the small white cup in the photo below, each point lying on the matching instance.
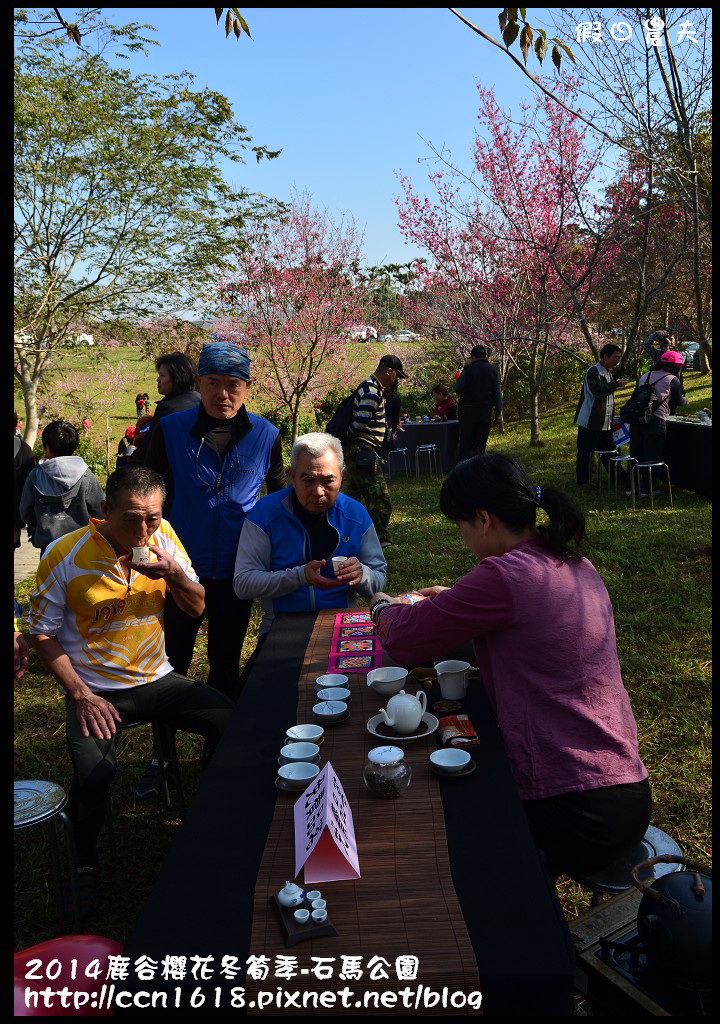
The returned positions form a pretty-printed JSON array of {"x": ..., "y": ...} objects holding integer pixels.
[
  {"x": 302, "y": 916},
  {"x": 141, "y": 555},
  {"x": 318, "y": 916},
  {"x": 319, "y": 904},
  {"x": 337, "y": 561},
  {"x": 314, "y": 894}
]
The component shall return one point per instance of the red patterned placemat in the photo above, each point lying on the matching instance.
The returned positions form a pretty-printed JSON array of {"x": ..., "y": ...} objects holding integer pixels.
[{"x": 353, "y": 644}]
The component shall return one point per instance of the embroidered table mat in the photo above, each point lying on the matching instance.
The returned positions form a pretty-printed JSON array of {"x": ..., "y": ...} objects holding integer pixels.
[{"x": 404, "y": 902}]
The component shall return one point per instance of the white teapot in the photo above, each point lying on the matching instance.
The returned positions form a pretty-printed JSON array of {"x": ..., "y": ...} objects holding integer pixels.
[
  {"x": 404, "y": 712},
  {"x": 291, "y": 895}
]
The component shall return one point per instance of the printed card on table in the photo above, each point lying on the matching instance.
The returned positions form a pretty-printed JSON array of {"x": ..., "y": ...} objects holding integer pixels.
[
  {"x": 352, "y": 618},
  {"x": 354, "y": 662},
  {"x": 324, "y": 832},
  {"x": 362, "y": 629},
  {"x": 364, "y": 644}
]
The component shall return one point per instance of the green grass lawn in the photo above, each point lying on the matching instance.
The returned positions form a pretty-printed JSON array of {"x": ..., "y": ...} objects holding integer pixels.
[{"x": 656, "y": 565}]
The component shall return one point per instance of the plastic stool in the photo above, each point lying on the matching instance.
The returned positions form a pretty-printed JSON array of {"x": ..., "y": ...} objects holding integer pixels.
[
  {"x": 432, "y": 452},
  {"x": 618, "y": 876},
  {"x": 599, "y": 452},
  {"x": 37, "y": 801},
  {"x": 73, "y": 954},
  {"x": 398, "y": 451},
  {"x": 650, "y": 466},
  {"x": 615, "y": 463}
]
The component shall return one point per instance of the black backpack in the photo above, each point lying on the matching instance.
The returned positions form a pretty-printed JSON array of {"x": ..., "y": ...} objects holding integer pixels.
[
  {"x": 339, "y": 422},
  {"x": 642, "y": 403}
]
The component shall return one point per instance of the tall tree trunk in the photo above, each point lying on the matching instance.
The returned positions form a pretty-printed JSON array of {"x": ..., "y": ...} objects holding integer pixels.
[
  {"x": 295, "y": 421},
  {"x": 705, "y": 353}
]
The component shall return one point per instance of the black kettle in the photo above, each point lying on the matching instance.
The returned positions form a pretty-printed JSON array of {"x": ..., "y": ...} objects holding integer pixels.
[{"x": 675, "y": 919}]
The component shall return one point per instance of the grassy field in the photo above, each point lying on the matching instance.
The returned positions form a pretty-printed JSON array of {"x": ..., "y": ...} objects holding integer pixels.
[{"x": 656, "y": 565}]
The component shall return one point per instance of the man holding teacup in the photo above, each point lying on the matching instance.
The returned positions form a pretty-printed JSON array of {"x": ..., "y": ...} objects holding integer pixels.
[{"x": 309, "y": 546}]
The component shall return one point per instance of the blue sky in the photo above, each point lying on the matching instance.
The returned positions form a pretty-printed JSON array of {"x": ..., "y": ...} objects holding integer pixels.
[{"x": 348, "y": 94}]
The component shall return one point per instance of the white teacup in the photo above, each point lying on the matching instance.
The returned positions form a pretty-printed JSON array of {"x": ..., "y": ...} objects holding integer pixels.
[
  {"x": 302, "y": 916},
  {"x": 452, "y": 676},
  {"x": 331, "y": 679},
  {"x": 319, "y": 916},
  {"x": 141, "y": 555},
  {"x": 300, "y": 751},
  {"x": 338, "y": 561}
]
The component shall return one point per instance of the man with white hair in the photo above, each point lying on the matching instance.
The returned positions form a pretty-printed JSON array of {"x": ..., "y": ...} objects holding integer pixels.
[{"x": 289, "y": 537}]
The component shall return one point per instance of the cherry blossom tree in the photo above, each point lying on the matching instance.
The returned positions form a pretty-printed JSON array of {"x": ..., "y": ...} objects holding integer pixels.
[
  {"x": 520, "y": 243},
  {"x": 292, "y": 299}
]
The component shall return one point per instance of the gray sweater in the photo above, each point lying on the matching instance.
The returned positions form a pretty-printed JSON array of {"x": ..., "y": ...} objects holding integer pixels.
[{"x": 59, "y": 496}]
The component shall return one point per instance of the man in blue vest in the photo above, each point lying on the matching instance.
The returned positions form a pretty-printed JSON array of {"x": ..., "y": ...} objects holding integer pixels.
[
  {"x": 213, "y": 459},
  {"x": 290, "y": 539}
]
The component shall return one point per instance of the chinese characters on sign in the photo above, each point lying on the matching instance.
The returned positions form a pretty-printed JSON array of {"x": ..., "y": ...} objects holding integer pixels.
[
  {"x": 654, "y": 30},
  {"x": 324, "y": 831}
]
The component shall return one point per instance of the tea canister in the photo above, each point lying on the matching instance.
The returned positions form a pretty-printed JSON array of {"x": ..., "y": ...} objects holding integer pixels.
[{"x": 386, "y": 773}]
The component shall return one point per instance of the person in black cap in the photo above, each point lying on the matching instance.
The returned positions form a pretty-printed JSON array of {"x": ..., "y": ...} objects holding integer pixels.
[
  {"x": 479, "y": 388},
  {"x": 213, "y": 458},
  {"x": 364, "y": 479}
]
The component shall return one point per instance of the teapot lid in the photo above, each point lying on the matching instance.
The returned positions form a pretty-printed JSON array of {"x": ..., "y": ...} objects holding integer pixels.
[{"x": 385, "y": 755}]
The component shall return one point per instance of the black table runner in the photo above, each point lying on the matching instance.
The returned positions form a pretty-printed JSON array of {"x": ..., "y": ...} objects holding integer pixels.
[{"x": 202, "y": 901}]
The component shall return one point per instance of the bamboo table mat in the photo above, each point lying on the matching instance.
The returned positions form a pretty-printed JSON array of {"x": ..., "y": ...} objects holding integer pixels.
[{"x": 403, "y": 903}]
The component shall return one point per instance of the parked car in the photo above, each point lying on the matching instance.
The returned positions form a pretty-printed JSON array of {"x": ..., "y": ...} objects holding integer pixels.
[
  {"x": 689, "y": 352},
  {"x": 405, "y": 335}
]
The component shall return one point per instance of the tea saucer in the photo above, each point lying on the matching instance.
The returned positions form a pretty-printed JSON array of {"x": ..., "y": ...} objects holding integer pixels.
[
  {"x": 284, "y": 786},
  {"x": 286, "y": 760},
  {"x": 467, "y": 770},
  {"x": 430, "y": 721},
  {"x": 321, "y": 720}
]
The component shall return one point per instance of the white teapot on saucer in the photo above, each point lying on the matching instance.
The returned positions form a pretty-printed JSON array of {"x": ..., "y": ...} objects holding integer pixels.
[{"x": 404, "y": 712}]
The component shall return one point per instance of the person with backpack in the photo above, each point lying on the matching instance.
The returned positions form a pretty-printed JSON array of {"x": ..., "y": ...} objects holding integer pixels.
[
  {"x": 359, "y": 424},
  {"x": 595, "y": 411},
  {"x": 657, "y": 395},
  {"x": 62, "y": 494}
]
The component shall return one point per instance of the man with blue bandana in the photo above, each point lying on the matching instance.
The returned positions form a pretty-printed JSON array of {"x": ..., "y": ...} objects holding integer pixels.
[{"x": 214, "y": 459}]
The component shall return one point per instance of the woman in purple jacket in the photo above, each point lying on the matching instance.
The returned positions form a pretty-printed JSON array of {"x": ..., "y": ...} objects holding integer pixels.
[{"x": 542, "y": 627}]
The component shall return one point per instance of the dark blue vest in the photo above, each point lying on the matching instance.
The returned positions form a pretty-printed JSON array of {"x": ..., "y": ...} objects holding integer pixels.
[{"x": 211, "y": 498}]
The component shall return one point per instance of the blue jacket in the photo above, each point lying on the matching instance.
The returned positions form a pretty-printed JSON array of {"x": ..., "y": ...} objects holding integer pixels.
[
  {"x": 210, "y": 499},
  {"x": 274, "y": 549}
]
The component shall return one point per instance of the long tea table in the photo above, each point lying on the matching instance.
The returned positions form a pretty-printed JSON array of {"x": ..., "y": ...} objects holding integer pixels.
[{"x": 449, "y": 874}]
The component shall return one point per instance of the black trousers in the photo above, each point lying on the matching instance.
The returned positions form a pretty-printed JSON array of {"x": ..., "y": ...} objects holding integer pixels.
[
  {"x": 227, "y": 621},
  {"x": 583, "y": 833},
  {"x": 179, "y": 702},
  {"x": 587, "y": 442},
  {"x": 474, "y": 432}
]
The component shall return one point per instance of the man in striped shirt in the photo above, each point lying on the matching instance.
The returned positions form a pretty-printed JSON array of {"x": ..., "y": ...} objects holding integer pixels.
[{"x": 364, "y": 479}]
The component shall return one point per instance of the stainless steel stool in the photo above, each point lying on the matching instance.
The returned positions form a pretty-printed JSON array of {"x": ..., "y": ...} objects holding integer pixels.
[
  {"x": 403, "y": 453},
  {"x": 615, "y": 464},
  {"x": 618, "y": 876},
  {"x": 432, "y": 453},
  {"x": 650, "y": 466},
  {"x": 37, "y": 801},
  {"x": 599, "y": 452}
]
